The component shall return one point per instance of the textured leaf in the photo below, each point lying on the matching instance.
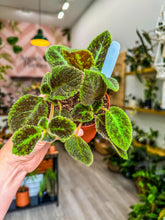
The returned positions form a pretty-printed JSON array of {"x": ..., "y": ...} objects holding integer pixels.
[
  {"x": 25, "y": 139},
  {"x": 97, "y": 105},
  {"x": 65, "y": 82},
  {"x": 28, "y": 110},
  {"x": 111, "y": 83},
  {"x": 93, "y": 88},
  {"x": 17, "y": 49},
  {"x": 55, "y": 102},
  {"x": 48, "y": 137},
  {"x": 101, "y": 129},
  {"x": 81, "y": 59},
  {"x": 43, "y": 123},
  {"x": 62, "y": 127},
  {"x": 118, "y": 127},
  {"x": 82, "y": 113},
  {"x": 12, "y": 40},
  {"x": 79, "y": 150},
  {"x": 98, "y": 47},
  {"x": 63, "y": 113},
  {"x": 54, "y": 55},
  {"x": 45, "y": 87}
]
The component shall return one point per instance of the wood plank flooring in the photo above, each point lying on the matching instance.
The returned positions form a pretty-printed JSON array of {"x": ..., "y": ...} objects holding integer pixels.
[{"x": 86, "y": 193}]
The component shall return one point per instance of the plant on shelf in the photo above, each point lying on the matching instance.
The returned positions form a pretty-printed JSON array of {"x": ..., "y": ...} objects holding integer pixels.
[
  {"x": 22, "y": 195},
  {"x": 5, "y": 106},
  {"x": 42, "y": 189},
  {"x": 75, "y": 92},
  {"x": 151, "y": 136},
  {"x": 50, "y": 179},
  {"x": 150, "y": 91},
  {"x": 140, "y": 55},
  {"x": 139, "y": 135}
]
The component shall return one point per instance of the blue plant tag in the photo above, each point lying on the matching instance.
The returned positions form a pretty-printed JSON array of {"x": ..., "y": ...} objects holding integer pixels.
[{"x": 111, "y": 58}]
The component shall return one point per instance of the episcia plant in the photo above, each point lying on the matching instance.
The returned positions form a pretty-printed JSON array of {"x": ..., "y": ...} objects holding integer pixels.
[{"x": 74, "y": 72}]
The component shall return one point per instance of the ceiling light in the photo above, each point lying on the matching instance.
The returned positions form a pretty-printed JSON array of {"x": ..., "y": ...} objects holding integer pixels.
[
  {"x": 60, "y": 15},
  {"x": 39, "y": 39},
  {"x": 65, "y": 6}
]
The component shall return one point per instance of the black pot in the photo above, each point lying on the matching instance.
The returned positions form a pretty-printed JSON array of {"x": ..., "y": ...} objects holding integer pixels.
[
  {"x": 148, "y": 103},
  {"x": 34, "y": 200},
  {"x": 41, "y": 199},
  {"x": 52, "y": 198},
  {"x": 12, "y": 205}
]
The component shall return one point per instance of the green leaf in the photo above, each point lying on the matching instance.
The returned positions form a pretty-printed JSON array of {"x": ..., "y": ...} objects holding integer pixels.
[
  {"x": 97, "y": 105},
  {"x": 82, "y": 113},
  {"x": 65, "y": 113},
  {"x": 111, "y": 83},
  {"x": 12, "y": 40},
  {"x": 161, "y": 214},
  {"x": 62, "y": 127},
  {"x": 81, "y": 59},
  {"x": 29, "y": 109},
  {"x": 54, "y": 55},
  {"x": 98, "y": 47},
  {"x": 43, "y": 123},
  {"x": 48, "y": 137},
  {"x": 55, "y": 102},
  {"x": 79, "y": 150},
  {"x": 118, "y": 127},
  {"x": 93, "y": 88},
  {"x": 65, "y": 82},
  {"x": 45, "y": 87},
  {"x": 101, "y": 129},
  {"x": 25, "y": 139},
  {"x": 17, "y": 49}
]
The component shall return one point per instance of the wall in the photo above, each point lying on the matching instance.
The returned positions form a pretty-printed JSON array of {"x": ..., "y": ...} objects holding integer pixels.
[{"x": 122, "y": 18}]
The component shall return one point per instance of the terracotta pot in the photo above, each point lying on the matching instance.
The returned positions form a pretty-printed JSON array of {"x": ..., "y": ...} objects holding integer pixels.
[
  {"x": 52, "y": 149},
  {"x": 113, "y": 168},
  {"x": 22, "y": 198},
  {"x": 90, "y": 130}
]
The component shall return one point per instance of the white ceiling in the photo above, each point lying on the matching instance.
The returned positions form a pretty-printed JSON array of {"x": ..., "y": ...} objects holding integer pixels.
[{"x": 28, "y": 11}]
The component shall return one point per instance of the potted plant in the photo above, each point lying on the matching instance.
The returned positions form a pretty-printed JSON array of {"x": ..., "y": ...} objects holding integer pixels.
[
  {"x": 42, "y": 189},
  {"x": 74, "y": 93},
  {"x": 140, "y": 57},
  {"x": 150, "y": 91},
  {"x": 151, "y": 136},
  {"x": 22, "y": 195},
  {"x": 50, "y": 178}
]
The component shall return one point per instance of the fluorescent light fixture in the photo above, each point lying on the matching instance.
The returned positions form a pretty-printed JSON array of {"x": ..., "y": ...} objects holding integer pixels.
[
  {"x": 65, "y": 6},
  {"x": 60, "y": 15}
]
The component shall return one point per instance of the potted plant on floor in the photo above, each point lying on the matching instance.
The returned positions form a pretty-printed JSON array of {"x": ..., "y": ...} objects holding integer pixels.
[
  {"x": 74, "y": 91},
  {"x": 50, "y": 180}
]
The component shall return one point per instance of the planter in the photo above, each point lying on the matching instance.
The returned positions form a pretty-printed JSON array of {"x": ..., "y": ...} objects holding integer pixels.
[
  {"x": 101, "y": 145},
  {"x": 90, "y": 130},
  {"x": 52, "y": 149},
  {"x": 22, "y": 198},
  {"x": 148, "y": 103},
  {"x": 113, "y": 168},
  {"x": 41, "y": 199},
  {"x": 52, "y": 198},
  {"x": 34, "y": 200}
]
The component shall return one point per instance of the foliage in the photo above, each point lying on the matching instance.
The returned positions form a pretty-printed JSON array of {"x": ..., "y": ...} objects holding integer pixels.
[
  {"x": 152, "y": 197},
  {"x": 5, "y": 106},
  {"x": 73, "y": 72},
  {"x": 42, "y": 187},
  {"x": 140, "y": 55},
  {"x": 152, "y": 135},
  {"x": 150, "y": 88},
  {"x": 50, "y": 178},
  {"x": 32, "y": 176}
]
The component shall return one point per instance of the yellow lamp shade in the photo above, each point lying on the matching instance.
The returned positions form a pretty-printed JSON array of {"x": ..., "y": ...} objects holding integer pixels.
[{"x": 39, "y": 40}]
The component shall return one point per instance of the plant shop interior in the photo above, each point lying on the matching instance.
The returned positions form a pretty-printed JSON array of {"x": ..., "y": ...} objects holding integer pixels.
[{"x": 114, "y": 169}]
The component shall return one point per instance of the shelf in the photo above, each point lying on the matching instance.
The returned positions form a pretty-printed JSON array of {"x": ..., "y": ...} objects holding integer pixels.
[
  {"x": 144, "y": 71},
  {"x": 153, "y": 150},
  {"x": 150, "y": 111}
]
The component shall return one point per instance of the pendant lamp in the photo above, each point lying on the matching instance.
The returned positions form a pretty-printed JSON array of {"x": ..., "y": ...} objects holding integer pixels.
[{"x": 39, "y": 39}]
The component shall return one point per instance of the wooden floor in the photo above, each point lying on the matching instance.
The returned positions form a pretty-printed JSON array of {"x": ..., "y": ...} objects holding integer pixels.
[{"x": 86, "y": 193}]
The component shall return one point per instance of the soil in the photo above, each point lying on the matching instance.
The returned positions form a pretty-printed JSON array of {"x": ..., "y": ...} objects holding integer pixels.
[{"x": 69, "y": 104}]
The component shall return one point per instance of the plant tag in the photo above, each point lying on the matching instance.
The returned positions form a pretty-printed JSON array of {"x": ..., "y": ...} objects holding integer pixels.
[{"x": 110, "y": 59}]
